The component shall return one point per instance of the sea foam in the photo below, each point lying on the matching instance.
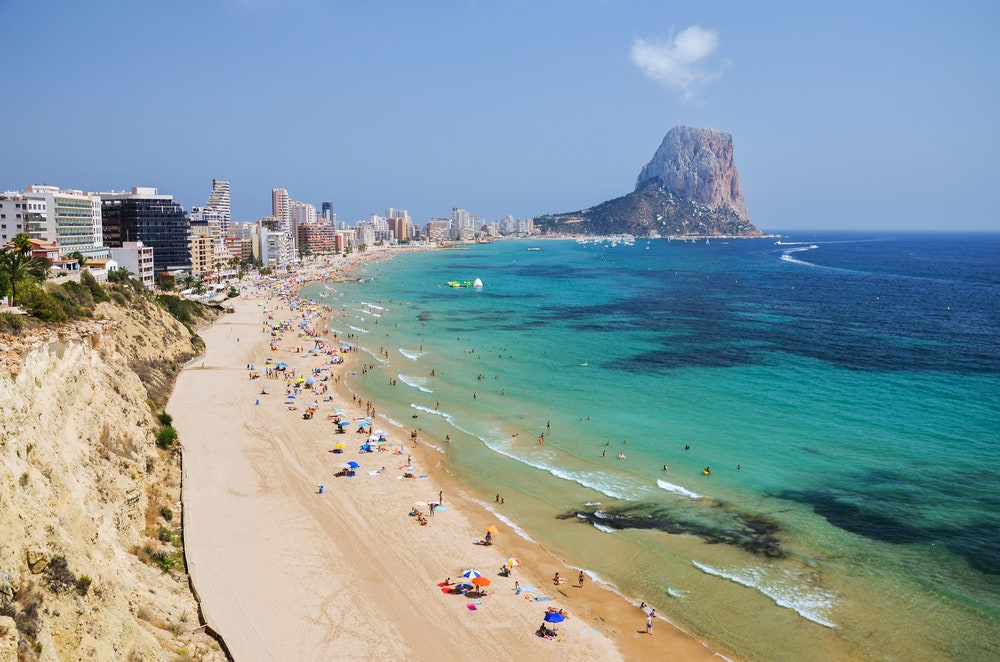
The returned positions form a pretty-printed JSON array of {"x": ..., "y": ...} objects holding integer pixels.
[
  {"x": 410, "y": 354},
  {"x": 677, "y": 489},
  {"x": 415, "y": 382},
  {"x": 789, "y": 591}
]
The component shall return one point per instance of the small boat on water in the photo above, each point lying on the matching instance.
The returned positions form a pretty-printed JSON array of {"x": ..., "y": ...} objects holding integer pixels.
[
  {"x": 534, "y": 249},
  {"x": 477, "y": 283}
]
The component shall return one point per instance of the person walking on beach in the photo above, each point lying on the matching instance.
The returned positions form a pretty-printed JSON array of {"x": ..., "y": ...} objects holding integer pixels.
[
  {"x": 649, "y": 623},
  {"x": 580, "y": 579},
  {"x": 440, "y": 497}
]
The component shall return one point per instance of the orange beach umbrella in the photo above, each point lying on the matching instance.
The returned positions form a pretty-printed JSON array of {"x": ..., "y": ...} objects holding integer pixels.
[{"x": 493, "y": 530}]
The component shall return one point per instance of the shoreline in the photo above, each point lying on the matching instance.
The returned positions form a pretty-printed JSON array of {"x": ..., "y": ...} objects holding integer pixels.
[{"x": 262, "y": 493}]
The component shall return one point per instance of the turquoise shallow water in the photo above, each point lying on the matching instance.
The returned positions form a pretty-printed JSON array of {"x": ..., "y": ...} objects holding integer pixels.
[{"x": 842, "y": 388}]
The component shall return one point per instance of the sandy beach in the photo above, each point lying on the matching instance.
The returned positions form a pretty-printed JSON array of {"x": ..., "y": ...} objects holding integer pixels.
[{"x": 284, "y": 570}]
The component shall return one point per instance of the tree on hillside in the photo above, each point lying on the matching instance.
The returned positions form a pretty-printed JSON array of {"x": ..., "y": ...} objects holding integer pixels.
[
  {"x": 17, "y": 264},
  {"x": 119, "y": 275},
  {"x": 80, "y": 258}
]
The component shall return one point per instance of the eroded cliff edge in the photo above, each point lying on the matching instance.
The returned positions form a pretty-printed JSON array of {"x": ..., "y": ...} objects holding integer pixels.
[{"x": 90, "y": 557}]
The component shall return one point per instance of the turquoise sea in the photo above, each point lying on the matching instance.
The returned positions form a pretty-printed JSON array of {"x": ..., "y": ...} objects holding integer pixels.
[{"x": 844, "y": 390}]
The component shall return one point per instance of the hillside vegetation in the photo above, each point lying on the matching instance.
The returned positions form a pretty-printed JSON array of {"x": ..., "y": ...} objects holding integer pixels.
[{"x": 650, "y": 210}]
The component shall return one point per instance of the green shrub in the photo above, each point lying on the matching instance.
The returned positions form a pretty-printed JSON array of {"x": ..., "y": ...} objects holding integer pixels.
[
  {"x": 164, "y": 418},
  {"x": 163, "y": 560},
  {"x": 11, "y": 323},
  {"x": 167, "y": 515},
  {"x": 166, "y": 437},
  {"x": 39, "y": 303},
  {"x": 96, "y": 291},
  {"x": 75, "y": 299},
  {"x": 83, "y": 584}
]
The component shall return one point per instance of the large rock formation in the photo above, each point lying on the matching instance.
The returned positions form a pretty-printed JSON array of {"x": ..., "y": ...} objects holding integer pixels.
[
  {"x": 689, "y": 188},
  {"x": 697, "y": 164}
]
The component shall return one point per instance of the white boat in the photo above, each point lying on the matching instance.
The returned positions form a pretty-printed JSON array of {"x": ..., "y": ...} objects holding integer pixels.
[{"x": 477, "y": 283}]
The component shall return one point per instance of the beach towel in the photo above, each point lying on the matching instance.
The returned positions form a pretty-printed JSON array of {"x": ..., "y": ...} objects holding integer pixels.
[
  {"x": 542, "y": 598},
  {"x": 471, "y": 607}
]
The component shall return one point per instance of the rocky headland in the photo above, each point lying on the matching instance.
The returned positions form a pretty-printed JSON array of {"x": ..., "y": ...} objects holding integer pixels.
[{"x": 689, "y": 188}]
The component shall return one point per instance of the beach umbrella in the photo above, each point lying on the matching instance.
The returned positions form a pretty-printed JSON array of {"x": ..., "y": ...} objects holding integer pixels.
[
  {"x": 343, "y": 424},
  {"x": 492, "y": 530},
  {"x": 471, "y": 574},
  {"x": 554, "y": 617},
  {"x": 511, "y": 562},
  {"x": 480, "y": 581},
  {"x": 339, "y": 445},
  {"x": 353, "y": 465}
]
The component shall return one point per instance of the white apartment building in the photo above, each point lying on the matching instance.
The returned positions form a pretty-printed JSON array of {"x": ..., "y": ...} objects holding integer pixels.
[
  {"x": 18, "y": 215},
  {"x": 72, "y": 220},
  {"x": 461, "y": 223},
  {"x": 138, "y": 259}
]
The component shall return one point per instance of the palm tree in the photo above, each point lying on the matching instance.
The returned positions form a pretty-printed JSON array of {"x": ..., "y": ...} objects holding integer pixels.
[
  {"x": 21, "y": 243},
  {"x": 119, "y": 275},
  {"x": 19, "y": 267}
]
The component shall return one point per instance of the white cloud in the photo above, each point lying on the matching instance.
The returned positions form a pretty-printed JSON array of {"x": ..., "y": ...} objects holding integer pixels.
[{"x": 680, "y": 61}]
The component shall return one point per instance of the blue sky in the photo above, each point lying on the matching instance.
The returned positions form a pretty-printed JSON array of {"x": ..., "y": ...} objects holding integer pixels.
[{"x": 844, "y": 115}]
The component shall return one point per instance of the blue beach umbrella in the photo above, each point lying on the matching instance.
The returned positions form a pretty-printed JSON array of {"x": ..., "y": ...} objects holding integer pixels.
[
  {"x": 554, "y": 617},
  {"x": 344, "y": 424},
  {"x": 471, "y": 574},
  {"x": 353, "y": 465}
]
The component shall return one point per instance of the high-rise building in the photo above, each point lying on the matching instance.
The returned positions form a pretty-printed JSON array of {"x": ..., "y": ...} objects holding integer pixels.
[
  {"x": 155, "y": 220},
  {"x": 72, "y": 220},
  {"x": 461, "y": 223},
  {"x": 218, "y": 202},
  {"x": 280, "y": 207},
  {"x": 327, "y": 212}
]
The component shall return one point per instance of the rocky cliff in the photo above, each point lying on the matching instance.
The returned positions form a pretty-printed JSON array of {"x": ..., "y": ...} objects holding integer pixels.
[
  {"x": 689, "y": 188},
  {"x": 697, "y": 164},
  {"x": 90, "y": 562}
]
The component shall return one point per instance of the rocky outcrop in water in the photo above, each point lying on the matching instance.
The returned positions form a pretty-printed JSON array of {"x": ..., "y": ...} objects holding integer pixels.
[
  {"x": 697, "y": 164},
  {"x": 689, "y": 188}
]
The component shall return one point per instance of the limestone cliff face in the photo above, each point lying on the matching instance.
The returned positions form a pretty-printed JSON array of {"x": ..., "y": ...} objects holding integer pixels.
[
  {"x": 689, "y": 188},
  {"x": 82, "y": 495},
  {"x": 697, "y": 164}
]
